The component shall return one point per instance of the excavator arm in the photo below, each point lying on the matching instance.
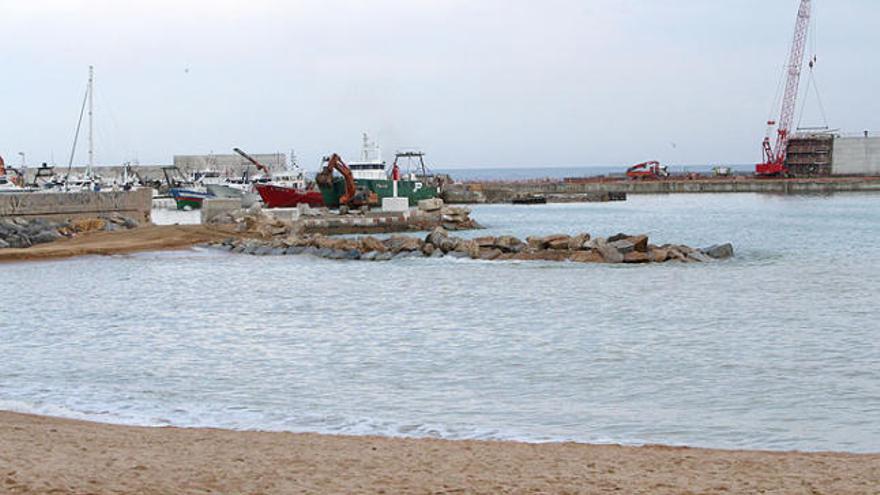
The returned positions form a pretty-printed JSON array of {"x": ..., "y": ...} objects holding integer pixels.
[{"x": 325, "y": 178}]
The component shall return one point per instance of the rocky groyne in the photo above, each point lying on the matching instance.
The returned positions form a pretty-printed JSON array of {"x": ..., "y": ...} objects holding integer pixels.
[
  {"x": 305, "y": 220},
  {"x": 581, "y": 248},
  {"x": 18, "y": 232}
]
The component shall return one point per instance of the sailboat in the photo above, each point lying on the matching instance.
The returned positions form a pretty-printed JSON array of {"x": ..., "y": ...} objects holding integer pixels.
[{"x": 89, "y": 181}]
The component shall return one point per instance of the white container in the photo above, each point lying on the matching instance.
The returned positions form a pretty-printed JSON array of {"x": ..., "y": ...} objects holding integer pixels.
[{"x": 395, "y": 204}]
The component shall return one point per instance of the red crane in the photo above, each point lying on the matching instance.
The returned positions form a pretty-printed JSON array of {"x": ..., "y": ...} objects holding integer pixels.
[
  {"x": 774, "y": 157},
  {"x": 253, "y": 160}
]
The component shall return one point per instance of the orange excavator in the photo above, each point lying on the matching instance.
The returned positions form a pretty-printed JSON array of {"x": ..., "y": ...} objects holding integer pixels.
[
  {"x": 2, "y": 166},
  {"x": 651, "y": 170},
  {"x": 351, "y": 197}
]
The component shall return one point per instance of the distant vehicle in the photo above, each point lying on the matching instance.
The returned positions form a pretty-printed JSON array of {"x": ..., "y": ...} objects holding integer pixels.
[
  {"x": 651, "y": 170},
  {"x": 722, "y": 171}
]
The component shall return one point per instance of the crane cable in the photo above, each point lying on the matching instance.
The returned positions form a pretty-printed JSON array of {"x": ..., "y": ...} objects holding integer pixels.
[{"x": 811, "y": 80}]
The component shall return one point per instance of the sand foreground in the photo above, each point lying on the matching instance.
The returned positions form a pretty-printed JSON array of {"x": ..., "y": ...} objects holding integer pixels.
[
  {"x": 49, "y": 455},
  {"x": 145, "y": 238}
]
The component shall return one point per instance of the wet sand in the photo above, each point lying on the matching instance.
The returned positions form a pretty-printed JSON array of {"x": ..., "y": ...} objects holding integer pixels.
[
  {"x": 49, "y": 455},
  {"x": 146, "y": 238}
]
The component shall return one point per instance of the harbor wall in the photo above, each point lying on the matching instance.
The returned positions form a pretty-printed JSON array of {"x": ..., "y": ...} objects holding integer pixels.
[
  {"x": 856, "y": 156},
  {"x": 504, "y": 192},
  {"x": 66, "y": 206},
  {"x": 231, "y": 164}
]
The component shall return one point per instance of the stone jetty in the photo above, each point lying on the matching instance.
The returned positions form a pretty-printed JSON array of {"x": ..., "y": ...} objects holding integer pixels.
[
  {"x": 306, "y": 220},
  {"x": 581, "y": 248}
]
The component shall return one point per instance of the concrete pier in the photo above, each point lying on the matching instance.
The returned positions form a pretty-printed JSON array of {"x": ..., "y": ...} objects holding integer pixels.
[{"x": 504, "y": 192}]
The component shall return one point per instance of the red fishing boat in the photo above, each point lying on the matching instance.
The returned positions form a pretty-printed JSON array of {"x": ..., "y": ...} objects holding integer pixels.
[
  {"x": 285, "y": 195},
  {"x": 285, "y": 189}
]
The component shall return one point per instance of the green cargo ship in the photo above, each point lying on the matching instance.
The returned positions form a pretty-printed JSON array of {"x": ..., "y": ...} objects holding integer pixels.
[
  {"x": 413, "y": 190},
  {"x": 372, "y": 183}
]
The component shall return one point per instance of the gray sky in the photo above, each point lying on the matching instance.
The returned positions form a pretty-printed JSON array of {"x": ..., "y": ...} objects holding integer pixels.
[{"x": 474, "y": 83}]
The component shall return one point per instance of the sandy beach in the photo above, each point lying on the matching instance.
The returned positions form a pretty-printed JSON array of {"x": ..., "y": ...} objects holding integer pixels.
[
  {"x": 145, "y": 238},
  {"x": 49, "y": 455}
]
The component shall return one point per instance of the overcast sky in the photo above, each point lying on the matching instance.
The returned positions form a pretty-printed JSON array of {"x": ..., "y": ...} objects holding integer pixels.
[{"x": 474, "y": 83}]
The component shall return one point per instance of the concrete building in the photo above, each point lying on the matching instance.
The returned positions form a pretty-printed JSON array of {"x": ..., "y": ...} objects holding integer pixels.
[
  {"x": 856, "y": 156},
  {"x": 822, "y": 155},
  {"x": 229, "y": 164}
]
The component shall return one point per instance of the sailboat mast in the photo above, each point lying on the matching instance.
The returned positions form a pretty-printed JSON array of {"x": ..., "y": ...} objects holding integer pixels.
[{"x": 91, "y": 123}]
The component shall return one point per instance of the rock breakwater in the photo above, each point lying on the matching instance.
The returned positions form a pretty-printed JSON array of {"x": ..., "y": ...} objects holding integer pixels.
[
  {"x": 24, "y": 233},
  {"x": 580, "y": 248}
]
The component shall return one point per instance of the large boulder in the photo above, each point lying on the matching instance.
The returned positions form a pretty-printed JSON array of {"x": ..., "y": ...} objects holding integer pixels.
[
  {"x": 436, "y": 236},
  {"x": 640, "y": 243},
  {"x": 372, "y": 244},
  {"x": 509, "y": 244},
  {"x": 698, "y": 256},
  {"x": 396, "y": 244},
  {"x": 578, "y": 242},
  {"x": 486, "y": 241},
  {"x": 535, "y": 243},
  {"x": 432, "y": 204},
  {"x": 48, "y": 235},
  {"x": 447, "y": 244},
  {"x": 609, "y": 253},
  {"x": 658, "y": 255},
  {"x": 636, "y": 257},
  {"x": 719, "y": 251},
  {"x": 557, "y": 242},
  {"x": 623, "y": 245},
  {"x": 590, "y": 256},
  {"x": 490, "y": 254}
]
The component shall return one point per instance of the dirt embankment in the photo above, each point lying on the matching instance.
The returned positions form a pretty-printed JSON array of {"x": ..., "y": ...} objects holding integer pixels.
[
  {"x": 49, "y": 455},
  {"x": 146, "y": 238}
]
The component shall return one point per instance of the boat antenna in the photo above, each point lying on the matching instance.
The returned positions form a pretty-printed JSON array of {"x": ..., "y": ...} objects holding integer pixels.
[
  {"x": 76, "y": 136},
  {"x": 91, "y": 121}
]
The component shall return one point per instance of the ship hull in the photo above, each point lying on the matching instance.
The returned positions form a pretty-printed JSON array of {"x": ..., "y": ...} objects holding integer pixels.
[
  {"x": 288, "y": 197},
  {"x": 414, "y": 191},
  {"x": 187, "y": 199},
  {"x": 248, "y": 199}
]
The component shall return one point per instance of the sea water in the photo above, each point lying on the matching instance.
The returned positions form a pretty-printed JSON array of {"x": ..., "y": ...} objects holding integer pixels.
[{"x": 778, "y": 348}]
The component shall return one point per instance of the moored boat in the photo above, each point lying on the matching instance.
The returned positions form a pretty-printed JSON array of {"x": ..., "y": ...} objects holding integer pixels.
[
  {"x": 235, "y": 189},
  {"x": 280, "y": 196},
  {"x": 284, "y": 189},
  {"x": 188, "y": 199},
  {"x": 373, "y": 183}
]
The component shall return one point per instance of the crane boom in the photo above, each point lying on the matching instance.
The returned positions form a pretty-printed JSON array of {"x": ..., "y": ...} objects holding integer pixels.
[
  {"x": 774, "y": 157},
  {"x": 253, "y": 160}
]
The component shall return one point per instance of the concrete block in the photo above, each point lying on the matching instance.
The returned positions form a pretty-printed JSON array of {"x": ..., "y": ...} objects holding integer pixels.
[
  {"x": 395, "y": 204},
  {"x": 214, "y": 207},
  {"x": 134, "y": 204},
  {"x": 432, "y": 204},
  {"x": 856, "y": 156},
  {"x": 290, "y": 214}
]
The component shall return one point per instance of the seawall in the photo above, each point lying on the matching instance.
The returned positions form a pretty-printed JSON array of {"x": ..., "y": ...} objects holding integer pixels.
[
  {"x": 134, "y": 204},
  {"x": 503, "y": 192}
]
